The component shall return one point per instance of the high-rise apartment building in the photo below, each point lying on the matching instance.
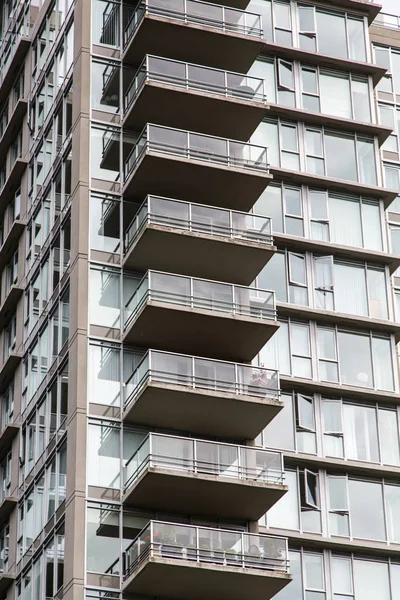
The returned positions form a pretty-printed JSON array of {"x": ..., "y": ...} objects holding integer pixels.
[{"x": 199, "y": 300}]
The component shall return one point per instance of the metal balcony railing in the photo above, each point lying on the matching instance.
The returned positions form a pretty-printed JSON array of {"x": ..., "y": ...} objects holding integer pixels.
[
  {"x": 198, "y": 218},
  {"x": 199, "y": 373},
  {"x": 201, "y": 294},
  {"x": 196, "y": 147},
  {"x": 206, "y": 545},
  {"x": 387, "y": 20},
  {"x": 194, "y": 77},
  {"x": 190, "y": 455},
  {"x": 194, "y": 12}
]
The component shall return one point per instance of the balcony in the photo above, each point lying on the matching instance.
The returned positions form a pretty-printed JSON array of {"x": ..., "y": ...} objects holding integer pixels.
[
  {"x": 209, "y": 318},
  {"x": 182, "y": 561},
  {"x": 8, "y": 433},
  {"x": 7, "y": 505},
  {"x": 202, "y": 477},
  {"x": 209, "y": 170},
  {"x": 190, "y": 393},
  {"x": 12, "y": 59},
  {"x": 179, "y": 94},
  {"x": 6, "y": 581},
  {"x": 200, "y": 32},
  {"x": 198, "y": 240}
]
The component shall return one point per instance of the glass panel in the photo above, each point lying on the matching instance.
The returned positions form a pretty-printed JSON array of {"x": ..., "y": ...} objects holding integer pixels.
[
  {"x": 366, "y": 162},
  {"x": 371, "y": 580},
  {"x": 331, "y": 34},
  {"x": 366, "y": 510},
  {"x": 372, "y": 228},
  {"x": 355, "y": 359},
  {"x": 350, "y": 289},
  {"x": 314, "y": 571},
  {"x": 360, "y": 433},
  {"x": 378, "y": 305},
  {"x": 383, "y": 367},
  {"x": 340, "y": 157},
  {"x": 285, "y": 513},
  {"x": 273, "y": 276},
  {"x": 335, "y": 95},
  {"x": 342, "y": 579},
  {"x": 280, "y": 433},
  {"x": 389, "y": 436},
  {"x": 345, "y": 221},
  {"x": 392, "y": 502}
]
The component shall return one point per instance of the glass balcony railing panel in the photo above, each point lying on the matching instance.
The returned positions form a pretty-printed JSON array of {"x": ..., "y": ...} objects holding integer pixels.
[
  {"x": 207, "y": 545},
  {"x": 387, "y": 20},
  {"x": 196, "y": 146},
  {"x": 198, "y": 218},
  {"x": 196, "y": 13},
  {"x": 201, "y": 294},
  {"x": 204, "y": 457},
  {"x": 202, "y": 374},
  {"x": 196, "y": 77}
]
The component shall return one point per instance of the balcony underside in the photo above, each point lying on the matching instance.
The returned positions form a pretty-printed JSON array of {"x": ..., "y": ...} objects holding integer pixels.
[
  {"x": 13, "y": 126},
  {"x": 11, "y": 242},
  {"x": 203, "y": 494},
  {"x": 6, "y": 508},
  {"x": 13, "y": 181},
  {"x": 186, "y": 580},
  {"x": 198, "y": 255},
  {"x": 7, "y": 309},
  {"x": 200, "y": 332},
  {"x": 7, "y": 436},
  {"x": 6, "y": 581},
  {"x": 199, "y": 181},
  {"x": 197, "y": 110},
  {"x": 197, "y": 44},
  {"x": 15, "y": 64},
  {"x": 202, "y": 411}
]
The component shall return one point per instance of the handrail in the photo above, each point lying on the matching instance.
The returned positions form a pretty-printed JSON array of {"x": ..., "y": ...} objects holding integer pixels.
[
  {"x": 196, "y": 12},
  {"x": 198, "y": 218},
  {"x": 387, "y": 20},
  {"x": 246, "y": 301},
  {"x": 250, "y": 463},
  {"x": 198, "y": 147},
  {"x": 228, "y": 377},
  {"x": 235, "y": 85},
  {"x": 182, "y": 542}
]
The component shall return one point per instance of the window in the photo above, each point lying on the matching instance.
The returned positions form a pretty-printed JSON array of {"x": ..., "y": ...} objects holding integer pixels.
[
  {"x": 362, "y": 515},
  {"x": 106, "y": 86},
  {"x": 318, "y": 150},
  {"x": 299, "y": 508},
  {"x": 341, "y": 219}
]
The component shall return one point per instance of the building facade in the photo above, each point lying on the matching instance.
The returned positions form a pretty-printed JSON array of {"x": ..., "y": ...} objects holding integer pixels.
[{"x": 199, "y": 300}]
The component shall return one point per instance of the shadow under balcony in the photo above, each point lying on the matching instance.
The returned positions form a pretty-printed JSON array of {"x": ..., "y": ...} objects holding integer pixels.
[
  {"x": 203, "y": 477},
  {"x": 206, "y": 397},
  {"x": 198, "y": 240},
  {"x": 6, "y": 581},
  {"x": 192, "y": 563},
  {"x": 194, "y": 97},
  {"x": 191, "y": 315},
  {"x": 199, "y": 32},
  {"x": 209, "y": 170}
]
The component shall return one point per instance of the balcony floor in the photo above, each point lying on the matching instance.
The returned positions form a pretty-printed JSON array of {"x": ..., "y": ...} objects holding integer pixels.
[
  {"x": 195, "y": 43},
  {"x": 202, "y": 494},
  {"x": 198, "y": 181},
  {"x": 196, "y": 110},
  {"x": 186, "y": 409},
  {"x": 186, "y": 580},
  {"x": 198, "y": 254},
  {"x": 200, "y": 332}
]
